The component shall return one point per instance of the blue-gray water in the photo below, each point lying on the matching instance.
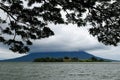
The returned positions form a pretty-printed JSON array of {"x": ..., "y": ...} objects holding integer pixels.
[{"x": 59, "y": 71}]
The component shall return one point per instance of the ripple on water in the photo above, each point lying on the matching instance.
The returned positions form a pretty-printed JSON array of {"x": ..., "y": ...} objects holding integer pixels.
[{"x": 59, "y": 71}]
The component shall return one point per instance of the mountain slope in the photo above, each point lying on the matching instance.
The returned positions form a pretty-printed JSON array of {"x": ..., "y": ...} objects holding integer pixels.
[{"x": 32, "y": 56}]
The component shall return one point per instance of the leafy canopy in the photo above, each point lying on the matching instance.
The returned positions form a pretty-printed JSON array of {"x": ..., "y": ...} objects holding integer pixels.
[{"x": 30, "y": 23}]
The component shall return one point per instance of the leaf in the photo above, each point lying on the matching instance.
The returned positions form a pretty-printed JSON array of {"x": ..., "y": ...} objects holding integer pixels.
[{"x": 29, "y": 42}]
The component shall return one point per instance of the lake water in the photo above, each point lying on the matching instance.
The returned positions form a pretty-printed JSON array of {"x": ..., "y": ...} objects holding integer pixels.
[{"x": 59, "y": 71}]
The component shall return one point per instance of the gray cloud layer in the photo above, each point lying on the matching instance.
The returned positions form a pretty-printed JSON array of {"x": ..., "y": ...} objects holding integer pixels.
[
  {"x": 72, "y": 38},
  {"x": 68, "y": 38}
]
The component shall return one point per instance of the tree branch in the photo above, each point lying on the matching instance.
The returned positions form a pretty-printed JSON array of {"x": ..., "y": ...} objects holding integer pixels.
[{"x": 8, "y": 13}]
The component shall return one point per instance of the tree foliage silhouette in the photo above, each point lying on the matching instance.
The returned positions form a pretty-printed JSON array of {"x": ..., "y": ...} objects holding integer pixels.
[{"x": 30, "y": 23}]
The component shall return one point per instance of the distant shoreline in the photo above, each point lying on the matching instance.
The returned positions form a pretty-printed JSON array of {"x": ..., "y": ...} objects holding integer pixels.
[{"x": 68, "y": 59}]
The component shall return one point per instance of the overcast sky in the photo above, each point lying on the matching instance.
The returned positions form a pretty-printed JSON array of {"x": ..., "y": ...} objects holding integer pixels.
[
  {"x": 73, "y": 38},
  {"x": 67, "y": 38}
]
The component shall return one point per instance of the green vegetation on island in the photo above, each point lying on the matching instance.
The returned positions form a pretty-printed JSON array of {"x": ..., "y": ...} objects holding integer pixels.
[{"x": 68, "y": 59}]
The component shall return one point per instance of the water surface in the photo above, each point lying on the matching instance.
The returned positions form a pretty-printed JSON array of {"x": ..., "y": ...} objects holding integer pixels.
[{"x": 59, "y": 71}]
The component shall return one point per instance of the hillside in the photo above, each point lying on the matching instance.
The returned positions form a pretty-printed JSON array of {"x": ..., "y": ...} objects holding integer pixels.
[{"x": 30, "y": 57}]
